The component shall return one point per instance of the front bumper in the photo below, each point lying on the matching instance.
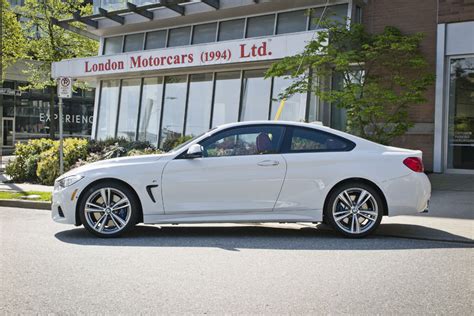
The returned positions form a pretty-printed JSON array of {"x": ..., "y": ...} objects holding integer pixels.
[{"x": 63, "y": 205}]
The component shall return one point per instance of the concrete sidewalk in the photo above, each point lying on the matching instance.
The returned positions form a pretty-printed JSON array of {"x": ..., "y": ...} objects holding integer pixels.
[{"x": 451, "y": 214}]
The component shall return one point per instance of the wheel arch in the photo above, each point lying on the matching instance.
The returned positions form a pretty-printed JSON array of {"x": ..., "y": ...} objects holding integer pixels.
[
  {"x": 359, "y": 180},
  {"x": 81, "y": 196}
]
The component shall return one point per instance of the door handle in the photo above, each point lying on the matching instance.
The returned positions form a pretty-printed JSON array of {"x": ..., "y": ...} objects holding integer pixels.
[{"x": 267, "y": 163}]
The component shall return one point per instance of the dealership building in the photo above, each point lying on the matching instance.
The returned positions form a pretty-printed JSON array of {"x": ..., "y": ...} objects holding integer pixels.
[{"x": 168, "y": 69}]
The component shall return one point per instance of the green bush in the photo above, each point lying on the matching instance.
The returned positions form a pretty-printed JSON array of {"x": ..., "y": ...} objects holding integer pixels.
[
  {"x": 97, "y": 146},
  {"x": 172, "y": 142},
  {"x": 23, "y": 167},
  {"x": 146, "y": 151},
  {"x": 37, "y": 161},
  {"x": 48, "y": 166}
]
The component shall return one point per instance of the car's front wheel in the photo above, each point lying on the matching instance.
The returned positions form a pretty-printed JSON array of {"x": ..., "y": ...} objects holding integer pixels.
[
  {"x": 108, "y": 209},
  {"x": 354, "y": 209}
]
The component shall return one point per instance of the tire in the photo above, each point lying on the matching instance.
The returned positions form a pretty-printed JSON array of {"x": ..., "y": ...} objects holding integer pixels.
[
  {"x": 108, "y": 209},
  {"x": 348, "y": 217}
]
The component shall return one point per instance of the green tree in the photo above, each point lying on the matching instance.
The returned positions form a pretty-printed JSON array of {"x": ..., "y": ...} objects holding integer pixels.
[
  {"x": 13, "y": 43},
  {"x": 382, "y": 75},
  {"x": 48, "y": 43}
]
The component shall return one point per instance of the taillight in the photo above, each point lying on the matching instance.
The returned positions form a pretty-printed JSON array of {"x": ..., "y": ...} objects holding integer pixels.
[{"x": 414, "y": 163}]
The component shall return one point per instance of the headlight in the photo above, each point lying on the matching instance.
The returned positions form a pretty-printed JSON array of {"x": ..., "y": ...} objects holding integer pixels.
[{"x": 65, "y": 182}]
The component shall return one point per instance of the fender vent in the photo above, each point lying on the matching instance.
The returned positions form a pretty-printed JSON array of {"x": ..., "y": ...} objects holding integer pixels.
[{"x": 148, "y": 190}]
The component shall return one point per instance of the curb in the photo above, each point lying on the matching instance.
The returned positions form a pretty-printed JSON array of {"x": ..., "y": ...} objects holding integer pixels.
[{"x": 26, "y": 204}]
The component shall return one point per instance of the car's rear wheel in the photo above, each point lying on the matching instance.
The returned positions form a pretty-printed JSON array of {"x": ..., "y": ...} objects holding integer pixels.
[
  {"x": 354, "y": 209},
  {"x": 108, "y": 209}
]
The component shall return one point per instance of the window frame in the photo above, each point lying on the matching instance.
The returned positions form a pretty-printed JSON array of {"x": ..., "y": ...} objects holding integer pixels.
[
  {"x": 286, "y": 145},
  {"x": 229, "y": 129}
]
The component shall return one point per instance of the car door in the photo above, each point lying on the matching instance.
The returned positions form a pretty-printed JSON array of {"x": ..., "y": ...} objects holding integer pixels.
[
  {"x": 315, "y": 159},
  {"x": 241, "y": 171}
]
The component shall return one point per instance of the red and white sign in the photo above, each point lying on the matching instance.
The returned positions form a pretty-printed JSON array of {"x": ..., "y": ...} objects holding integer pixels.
[{"x": 230, "y": 52}]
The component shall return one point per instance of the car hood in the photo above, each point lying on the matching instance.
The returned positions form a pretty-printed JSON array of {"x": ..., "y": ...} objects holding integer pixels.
[{"x": 115, "y": 162}]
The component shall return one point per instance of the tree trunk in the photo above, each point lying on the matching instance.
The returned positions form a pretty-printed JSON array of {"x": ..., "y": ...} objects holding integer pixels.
[{"x": 52, "y": 121}]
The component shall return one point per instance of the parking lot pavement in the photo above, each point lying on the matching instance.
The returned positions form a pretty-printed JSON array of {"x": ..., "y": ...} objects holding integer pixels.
[{"x": 215, "y": 269}]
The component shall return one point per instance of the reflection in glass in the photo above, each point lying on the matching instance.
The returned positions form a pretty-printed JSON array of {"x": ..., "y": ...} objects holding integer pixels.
[
  {"x": 226, "y": 98},
  {"x": 294, "y": 108},
  {"x": 199, "y": 104},
  {"x": 173, "y": 109},
  {"x": 108, "y": 109},
  {"x": 113, "y": 45},
  {"x": 338, "y": 114},
  {"x": 133, "y": 42},
  {"x": 230, "y": 30},
  {"x": 155, "y": 39},
  {"x": 150, "y": 110},
  {"x": 179, "y": 36},
  {"x": 128, "y": 111},
  {"x": 255, "y": 96},
  {"x": 289, "y": 22},
  {"x": 461, "y": 114},
  {"x": 336, "y": 13},
  {"x": 204, "y": 33},
  {"x": 260, "y": 25}
]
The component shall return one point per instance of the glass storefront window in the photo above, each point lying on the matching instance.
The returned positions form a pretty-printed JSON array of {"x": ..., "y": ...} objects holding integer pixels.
[
  {"x": 335, "y": 13},
  {"x": 128, "y": 110},
  {"x": 289, "y": 22},
  {"x": 179, "y": 36},
  {"x": 260, "y": 25},
  {"x": 174, "y": 105},
  {"x": 230, "y": 30},
  {"x": 199, "y": 104},
  {"x": 149, "y": 124},
  {"x": 108, "y": 109},
  {"x": 226, "y": 98},
  {"x": 338, "y": 114},
  {"x": 255, "y": 95},
  {"x": 113, "y": 45},
  {"x": 155, "y": 40},
  {"x": 461, "y": 114},
  {"x": 133, "y": 42},
  {"x": 204, "y": 33},
  {"x": 294, "y": 107}
]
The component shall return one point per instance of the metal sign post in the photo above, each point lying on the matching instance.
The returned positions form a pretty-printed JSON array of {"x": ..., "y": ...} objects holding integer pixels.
[{"x": 64, "y": 91}]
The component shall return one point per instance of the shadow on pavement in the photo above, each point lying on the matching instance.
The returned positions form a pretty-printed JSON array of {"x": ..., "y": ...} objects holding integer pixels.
[{"x": 259, "y": 237}]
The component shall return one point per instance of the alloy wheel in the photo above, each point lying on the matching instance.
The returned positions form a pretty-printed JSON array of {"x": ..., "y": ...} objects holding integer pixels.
[
  {"x": 355, "y": 211},
  {"x": 107, "y": 210}
]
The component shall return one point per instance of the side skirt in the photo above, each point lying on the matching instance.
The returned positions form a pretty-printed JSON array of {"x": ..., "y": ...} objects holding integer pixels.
[{"x": 296, "y": 216}]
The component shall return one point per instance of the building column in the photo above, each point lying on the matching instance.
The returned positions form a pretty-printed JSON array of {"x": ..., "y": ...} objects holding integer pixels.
[{"x": 439, "y": 128}]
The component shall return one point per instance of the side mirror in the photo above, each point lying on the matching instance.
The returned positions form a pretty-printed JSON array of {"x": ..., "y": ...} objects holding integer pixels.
[{"x": 195, "y": 151}]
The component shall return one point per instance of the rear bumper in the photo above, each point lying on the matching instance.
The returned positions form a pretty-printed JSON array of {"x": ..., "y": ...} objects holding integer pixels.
[{"x": 407, "y": 195}]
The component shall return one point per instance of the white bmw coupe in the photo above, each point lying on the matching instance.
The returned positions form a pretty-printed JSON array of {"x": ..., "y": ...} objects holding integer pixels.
[{"x": 249, "y": 172}]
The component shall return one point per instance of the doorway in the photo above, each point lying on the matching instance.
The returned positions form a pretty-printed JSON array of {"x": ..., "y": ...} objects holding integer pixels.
[{"x": 8, "y": 131}]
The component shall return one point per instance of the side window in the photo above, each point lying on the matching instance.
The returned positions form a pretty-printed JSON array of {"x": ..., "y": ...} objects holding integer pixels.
[
  {"x": 243, "y": 141},
  {"x": 309, "y": 140}
]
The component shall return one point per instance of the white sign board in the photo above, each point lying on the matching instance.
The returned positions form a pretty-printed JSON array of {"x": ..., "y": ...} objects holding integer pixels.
[
  {"x": 64, "y": 87},
  {"x": 220, "y": 53}
]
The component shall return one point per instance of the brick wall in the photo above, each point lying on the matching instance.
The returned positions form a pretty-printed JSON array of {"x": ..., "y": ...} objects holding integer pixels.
[
  {"x": 455, "y": 11},
  {"x": 411, "y": 17}
]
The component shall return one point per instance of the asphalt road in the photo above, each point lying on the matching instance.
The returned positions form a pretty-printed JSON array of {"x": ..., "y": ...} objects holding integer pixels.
[{"x": 216, "y": 269}]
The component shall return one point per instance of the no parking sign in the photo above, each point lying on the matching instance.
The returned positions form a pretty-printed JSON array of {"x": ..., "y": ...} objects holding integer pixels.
[{"x": 65, "y": 87}]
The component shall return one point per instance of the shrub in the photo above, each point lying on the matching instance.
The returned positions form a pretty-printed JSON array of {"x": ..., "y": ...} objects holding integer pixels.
[
  {"x": 23, "y": 167},
  {"x": 172, "y": 142},
  {"x": 146, "y": 151},
  {"x": 48, "y": 166},
  {"x": 97, "y": 146}
]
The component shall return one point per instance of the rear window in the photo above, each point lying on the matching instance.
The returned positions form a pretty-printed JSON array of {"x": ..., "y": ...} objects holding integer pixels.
[{"x": 310, "y": 140}]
